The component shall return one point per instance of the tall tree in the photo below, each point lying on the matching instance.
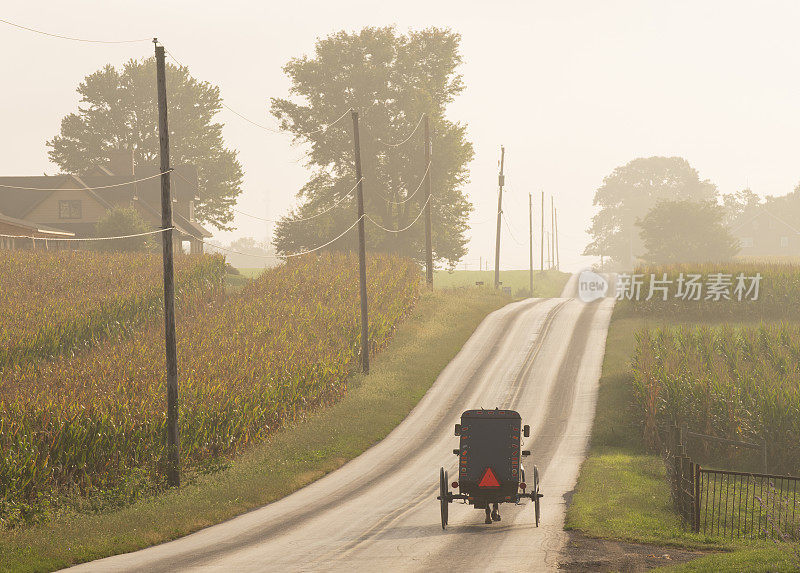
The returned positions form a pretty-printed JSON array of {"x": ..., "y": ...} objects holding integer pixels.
[
  {"x": 686, "y": 232},
  {"x": 630, "y": 192},
  {"x": 391, "y": 79},
  {"x": 118, "y": 112},
  {"x": 738, "y": 204}
]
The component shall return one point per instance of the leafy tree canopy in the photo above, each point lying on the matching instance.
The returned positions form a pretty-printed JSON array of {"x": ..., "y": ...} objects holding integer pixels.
[
  {"x": 686, "y": 232},
  {"x": 630, "y": 192},
  {"x": 118, "y": 112},
  {"x": 391, "y": 79},
  {"x": 738, "y": 204},
  {"x": 119, "y": 221}
]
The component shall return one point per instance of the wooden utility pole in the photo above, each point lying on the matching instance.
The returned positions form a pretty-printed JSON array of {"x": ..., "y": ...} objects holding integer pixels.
[
  {"x": 552, "y": 233},
  {"x": 555, "y": 243},
  {"x": 549, "y": 262},
  {"x": 501, "y": 182},
  {"x": 542, "y": 248},
  {"x": 362, "y": 253},
  {"x": 530, "y": 237},
  {"x": 428, "y": 242},
  {"x": 173, "y": 443}
]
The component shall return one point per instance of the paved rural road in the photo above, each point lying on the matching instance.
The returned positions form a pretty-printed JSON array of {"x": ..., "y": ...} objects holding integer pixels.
[{"x": 379, "y": 512}]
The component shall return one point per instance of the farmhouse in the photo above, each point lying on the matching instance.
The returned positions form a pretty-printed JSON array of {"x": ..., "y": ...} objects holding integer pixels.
[
  {"x": 71, "y": 205},
  {"x": 762, "y": 233}
]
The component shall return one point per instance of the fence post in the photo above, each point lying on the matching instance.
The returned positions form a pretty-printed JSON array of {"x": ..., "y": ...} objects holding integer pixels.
[
  {"x": 689, "y": 488},
  {"x": 697, "y": 500},
  {"x": 764, "y": 440}
]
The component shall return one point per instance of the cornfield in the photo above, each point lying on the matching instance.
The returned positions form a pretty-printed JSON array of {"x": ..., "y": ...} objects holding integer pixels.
[
  {"x": 779, "y": 289},
  {"x": 247, "y": 362},
  {"x": 55, "y": 302},
  {"x": 734, "y": 383}
]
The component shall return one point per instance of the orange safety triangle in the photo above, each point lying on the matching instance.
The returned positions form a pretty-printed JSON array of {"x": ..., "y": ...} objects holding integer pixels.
[{"x": 489, "y": 479}]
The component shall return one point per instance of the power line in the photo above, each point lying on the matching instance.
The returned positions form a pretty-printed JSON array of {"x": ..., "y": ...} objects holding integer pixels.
[
  {"x": 92, "y": 188},
  {"x": 407, "y": 199},
  {"x": 87, "y": 238},
  {"x": 406, "y": 228},
  {"x": 409, "y": 135},
  {"x": 508, "y": 227},
  {"x": 336, "y": 204},
  {"x": 73, "y": 38},
  {"x": 342, "y": 234},
  {"x": 257, "y": 124}
]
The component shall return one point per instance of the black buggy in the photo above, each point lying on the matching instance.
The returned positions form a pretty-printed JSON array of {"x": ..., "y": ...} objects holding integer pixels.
[{"x": 490, "y": 470}]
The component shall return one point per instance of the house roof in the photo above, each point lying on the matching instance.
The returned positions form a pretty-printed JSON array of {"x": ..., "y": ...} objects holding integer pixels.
[
  {"x": 758, "y": 212},
  {"x": 20, "y": 195},
  {"x": 44, "y": 229},
  {"x": 197, "y": 229}
]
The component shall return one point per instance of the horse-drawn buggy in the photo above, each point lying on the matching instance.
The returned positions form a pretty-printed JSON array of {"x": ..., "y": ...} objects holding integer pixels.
[{"x": 490, "y": 470}]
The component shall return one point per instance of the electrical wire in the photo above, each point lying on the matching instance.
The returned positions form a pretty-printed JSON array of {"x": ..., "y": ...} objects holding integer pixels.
[
  {"x": 407, "y": 199},
  {"x": 336, "y": 204},
  {"x": 409, "y": 135},
  {"x": 407, "y": 227},
  {"x": 74, "y": 39},
  {"x": 88, "y": 238},
  {"x": 260, "y": 125},
  {"x": 505, "y": 220},
  {"x": 93, "y": 188},
  {"x": 285, "y": 256}
]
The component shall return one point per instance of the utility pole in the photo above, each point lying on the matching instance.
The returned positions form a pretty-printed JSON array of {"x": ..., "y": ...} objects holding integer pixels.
[
  {"x": 428, "y": 244},
  {"x": 558, "y": 264},
  {"x": 552, "y": 233},
  {"x": 542, "y": 249},
  {"x": 501, "y": 181},
  {"x": 530, "y": 237},
  {"x": 549, "y": 261},
  {"x": 362, "y": 254},
  {"x": 173, "y": 444}
]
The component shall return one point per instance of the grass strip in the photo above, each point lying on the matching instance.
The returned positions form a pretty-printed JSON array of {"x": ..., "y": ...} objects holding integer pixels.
[
  {"x": 293, "y": 457},
  {"x": 546, "y": 284}
]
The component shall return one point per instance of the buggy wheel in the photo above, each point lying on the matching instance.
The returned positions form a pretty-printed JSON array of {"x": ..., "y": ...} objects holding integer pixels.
[
  {"x": 444, "y": 494},
  {"x": 535, "y": 493}
]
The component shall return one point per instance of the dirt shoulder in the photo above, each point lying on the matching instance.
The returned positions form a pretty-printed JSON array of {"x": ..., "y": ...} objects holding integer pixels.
[{"x": 583, "y": 553}]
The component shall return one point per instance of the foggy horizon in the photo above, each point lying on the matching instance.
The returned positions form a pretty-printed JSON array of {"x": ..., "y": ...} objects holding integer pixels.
[{"x": 572, "y": 92}]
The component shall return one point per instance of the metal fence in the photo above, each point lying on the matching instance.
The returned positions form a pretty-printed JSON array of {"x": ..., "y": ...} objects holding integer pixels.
[
  {"x": 738, "y": 504},
  {"x": 733, "y": 504}
]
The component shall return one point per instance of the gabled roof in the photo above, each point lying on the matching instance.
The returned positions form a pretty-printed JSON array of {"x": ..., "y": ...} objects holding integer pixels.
[
  {"x": 45, "y": 229},
  {"x": 758, "y": 212},
  {"x": 17, "y": 202}
]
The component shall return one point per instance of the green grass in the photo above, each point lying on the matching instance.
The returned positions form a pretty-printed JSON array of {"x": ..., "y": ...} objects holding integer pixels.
[
  {"x": 293, "y": 457},
  {"x": 622, "y": 491},
  {"x": 762, "y": 560},
  {"x": 547, "y": 284},
  {"x": 251, "y": 273}
]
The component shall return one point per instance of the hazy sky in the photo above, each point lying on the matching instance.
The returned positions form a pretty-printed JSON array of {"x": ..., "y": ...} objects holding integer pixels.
[{"x": 572, "y": 89}]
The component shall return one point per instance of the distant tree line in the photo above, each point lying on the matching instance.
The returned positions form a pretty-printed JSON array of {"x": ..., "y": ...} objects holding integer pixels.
[{"x": 658, "y": 210}]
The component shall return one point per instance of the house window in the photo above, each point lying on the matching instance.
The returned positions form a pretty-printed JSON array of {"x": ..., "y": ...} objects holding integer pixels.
[
  {"x": 191, "y": 211},
  {"x": 69, "y": 210},
  {"x": 746, "y": 242},
  {"x": 784, "y": 242}
]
